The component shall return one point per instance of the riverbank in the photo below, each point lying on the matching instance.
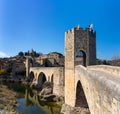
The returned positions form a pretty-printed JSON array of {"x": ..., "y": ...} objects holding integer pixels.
[{"x": 7, "y": 100}]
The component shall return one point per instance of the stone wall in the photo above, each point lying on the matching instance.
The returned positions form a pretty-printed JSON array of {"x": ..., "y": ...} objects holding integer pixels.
[
  {"x": 69, "y": 67},
  {"x": 85, "y": 40},
  {"x": 58, "y": 82},
  {"x": 76, "y": 40},
  {"x": 58, "y": 77}
]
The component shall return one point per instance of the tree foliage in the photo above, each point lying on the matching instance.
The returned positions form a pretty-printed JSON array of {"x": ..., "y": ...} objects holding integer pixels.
[
  {"x": 21, "y": 53},
  {"x": 2, "y": 71}
]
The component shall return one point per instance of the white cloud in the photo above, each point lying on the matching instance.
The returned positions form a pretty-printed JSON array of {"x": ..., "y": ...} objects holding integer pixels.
[{"x": 2, "y": 54}]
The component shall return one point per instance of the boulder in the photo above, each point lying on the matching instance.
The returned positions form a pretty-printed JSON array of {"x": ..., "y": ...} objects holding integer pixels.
[
  {"x": 48, "y": 98},
  {"x": 45, "y": 91},
  {"x": 47, "y": 84}
]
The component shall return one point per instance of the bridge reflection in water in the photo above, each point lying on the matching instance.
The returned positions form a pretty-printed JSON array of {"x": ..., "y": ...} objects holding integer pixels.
[{"x": 32, "y": 97}]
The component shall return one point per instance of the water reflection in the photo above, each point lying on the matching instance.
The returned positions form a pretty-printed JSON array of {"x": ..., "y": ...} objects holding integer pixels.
[
  {"x": 32, "y": 99},
  {"x": 29, "y": 102}
]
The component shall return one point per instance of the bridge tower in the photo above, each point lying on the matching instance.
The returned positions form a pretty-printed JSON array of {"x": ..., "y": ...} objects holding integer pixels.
[
  {"x": 80, "y": 48},
  {"x": 29, "y": 63}
]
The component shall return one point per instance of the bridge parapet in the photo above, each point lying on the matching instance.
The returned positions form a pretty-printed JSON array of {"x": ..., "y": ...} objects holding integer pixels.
[{"x": 106, "y": 68}]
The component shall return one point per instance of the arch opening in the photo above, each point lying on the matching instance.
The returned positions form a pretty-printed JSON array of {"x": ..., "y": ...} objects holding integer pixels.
[
  {"x": 80, "y": 58},
  {"x": 80, "y": 97},
  {"x": 31, "y": 77},
  {"x": 41, "y": 79}
]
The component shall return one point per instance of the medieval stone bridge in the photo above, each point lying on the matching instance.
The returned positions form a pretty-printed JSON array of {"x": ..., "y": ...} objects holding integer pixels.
[
  {"x": 96, "y": 87},
  {"x": 101, "y": 89},
  {"x": 50, "y": 74}
]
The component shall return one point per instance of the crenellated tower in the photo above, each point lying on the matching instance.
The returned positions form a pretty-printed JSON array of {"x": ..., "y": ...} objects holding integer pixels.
[{"x": 80, "y": 49}]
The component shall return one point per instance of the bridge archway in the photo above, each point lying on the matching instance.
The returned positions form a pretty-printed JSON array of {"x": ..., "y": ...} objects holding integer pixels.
[
  {"x": 31, "y": 76},
  {"x": 41, "y": 79},
  {"x": 80, "y": 58},
  {"x": 80, "y": 96}
]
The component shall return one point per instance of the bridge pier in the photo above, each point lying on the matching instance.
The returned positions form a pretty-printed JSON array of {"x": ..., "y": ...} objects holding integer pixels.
[{"x": 27, "y": 67}]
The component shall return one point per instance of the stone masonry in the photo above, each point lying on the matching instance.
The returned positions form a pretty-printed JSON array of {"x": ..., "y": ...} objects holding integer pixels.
[{"x": 77, "y": 39}]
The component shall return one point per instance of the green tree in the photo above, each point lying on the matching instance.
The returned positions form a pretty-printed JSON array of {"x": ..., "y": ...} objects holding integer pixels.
[
  {"x": 21, "y": 53},
  {"x": 26, "y": 53}
]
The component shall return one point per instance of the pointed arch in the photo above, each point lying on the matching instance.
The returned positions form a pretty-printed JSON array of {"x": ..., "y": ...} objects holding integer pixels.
[
  {"x": 81, "y": 100},
  {"x": 41, "y": 79},
  {"x": 80, "y": 58}
]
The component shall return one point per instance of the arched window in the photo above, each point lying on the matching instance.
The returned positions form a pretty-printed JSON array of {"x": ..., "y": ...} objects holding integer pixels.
[{"x": 80, "y": 58}]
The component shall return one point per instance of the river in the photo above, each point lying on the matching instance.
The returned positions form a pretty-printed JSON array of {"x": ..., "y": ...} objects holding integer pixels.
[{"x": 28, "y": 101}]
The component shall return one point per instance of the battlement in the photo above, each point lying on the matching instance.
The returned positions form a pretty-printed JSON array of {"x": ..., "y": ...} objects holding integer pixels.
[{"x": 78, "y": 28}]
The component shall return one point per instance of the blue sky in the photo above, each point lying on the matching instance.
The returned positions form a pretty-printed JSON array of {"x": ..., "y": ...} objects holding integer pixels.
[{"x": 40, "y": 24}]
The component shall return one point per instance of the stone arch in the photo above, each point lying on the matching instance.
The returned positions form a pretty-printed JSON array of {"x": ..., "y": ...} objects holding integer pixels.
[
  {"x": 81, "y": 100},
  {"x": 41, "y": 79},
  {"x": 31, "y": 76},
  {"x": 83, "y": 80},
  {"x": 80, "y": 58}
]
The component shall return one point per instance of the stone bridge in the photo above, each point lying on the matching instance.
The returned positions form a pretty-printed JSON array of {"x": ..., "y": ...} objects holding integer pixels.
[
  {"x": 96, "y": 87},
  {"x": 93, "y": 87},
  {"x": 50, "y": 74}
]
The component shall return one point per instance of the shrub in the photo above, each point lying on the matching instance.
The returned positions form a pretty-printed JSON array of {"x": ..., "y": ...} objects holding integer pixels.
[{"x": 2, "y": 71}]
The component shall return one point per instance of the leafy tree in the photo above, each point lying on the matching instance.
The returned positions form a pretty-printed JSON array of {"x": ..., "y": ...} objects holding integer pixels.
[
  {"x": 26, "y": 53},
  {"x": 21, "y": 53}
]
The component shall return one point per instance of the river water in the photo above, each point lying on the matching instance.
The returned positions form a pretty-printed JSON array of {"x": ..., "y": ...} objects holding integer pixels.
[{"x": 28, "y": 101}]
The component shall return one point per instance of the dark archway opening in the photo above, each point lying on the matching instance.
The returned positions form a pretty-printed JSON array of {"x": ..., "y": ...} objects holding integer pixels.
[
  {"x": 41, "y": 79},
  {"x": 80, "y": 97},
  {"x": 80, "y": 58},
  {"x": 31, "y": 77}
]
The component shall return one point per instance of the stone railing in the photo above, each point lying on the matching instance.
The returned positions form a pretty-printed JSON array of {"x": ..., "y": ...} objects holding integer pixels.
[{"x": 106, "y": 68}]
